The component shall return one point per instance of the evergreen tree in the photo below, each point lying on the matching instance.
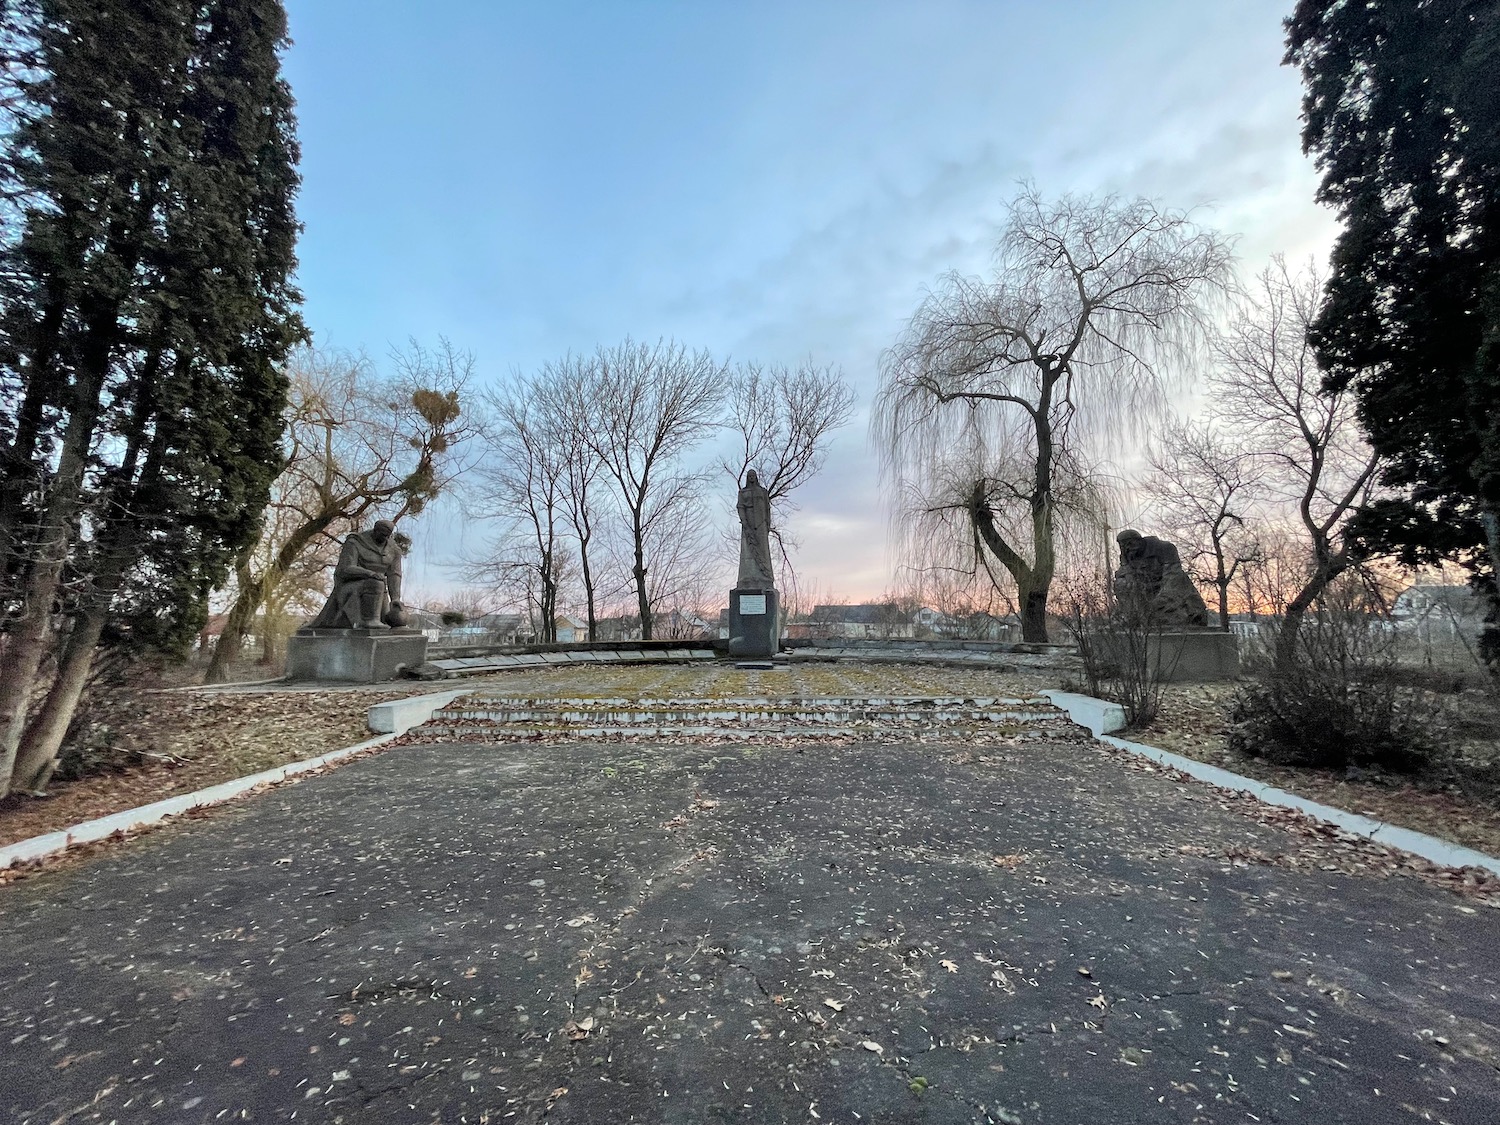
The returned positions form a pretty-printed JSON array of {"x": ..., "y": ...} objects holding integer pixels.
[
  {"x": 148, "y": 309},
  {"x": 1402, "y": 110}
]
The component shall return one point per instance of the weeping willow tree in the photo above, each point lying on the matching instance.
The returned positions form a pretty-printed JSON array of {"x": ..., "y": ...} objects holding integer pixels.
[{"x": 1001, "y": 393}]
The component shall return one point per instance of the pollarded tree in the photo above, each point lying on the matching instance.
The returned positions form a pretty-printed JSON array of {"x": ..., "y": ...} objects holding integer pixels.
[
  {"x": 1204, "y": 484},
  {"x": 1402, "y": 111},
  {"x": 1000, "y": 392}
]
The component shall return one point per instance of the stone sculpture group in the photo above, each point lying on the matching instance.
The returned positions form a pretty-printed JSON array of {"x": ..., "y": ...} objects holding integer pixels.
[
  {"x": 366, "y": 583},
  {"x": 1152, "y": 588},
  {"x": 361, "y": 634}
]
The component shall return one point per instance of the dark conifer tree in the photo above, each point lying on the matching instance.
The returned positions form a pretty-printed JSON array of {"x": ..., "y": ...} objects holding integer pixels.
[
  {"x": 148, "y": 311},
  {"x": 1402, "y": 111}
]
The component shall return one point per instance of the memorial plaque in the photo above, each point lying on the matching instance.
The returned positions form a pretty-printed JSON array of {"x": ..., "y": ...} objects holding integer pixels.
[{"x": 752, "y": 604}]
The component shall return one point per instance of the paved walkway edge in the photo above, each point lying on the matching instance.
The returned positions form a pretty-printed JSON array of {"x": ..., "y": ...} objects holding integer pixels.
[{"x": 1102, "y": 717}]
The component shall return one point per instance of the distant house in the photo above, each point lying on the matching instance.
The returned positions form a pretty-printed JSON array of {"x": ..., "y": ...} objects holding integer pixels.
[
  {"x": 929, "y": 622},
  {"x": 982, "y": 626},
  {"x": 856, "y": 622},
  {"x": 626, "y": 627},
  {"x": 569, "y": 631},
  {"x": 1438, "y": 614},
  {"x": 487, "y": 629},
  {"x": 679, "y": 625}
]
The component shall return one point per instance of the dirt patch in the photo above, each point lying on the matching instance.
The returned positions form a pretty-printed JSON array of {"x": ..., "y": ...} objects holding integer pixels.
[{"x": 1194, "y": 722}]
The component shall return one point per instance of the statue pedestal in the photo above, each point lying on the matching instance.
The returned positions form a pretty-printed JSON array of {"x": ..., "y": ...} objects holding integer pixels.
[
  {"x": 754, "y": 623},
  {"x": 360, "y": 656},
  {"x": 1181, "y": 655}
]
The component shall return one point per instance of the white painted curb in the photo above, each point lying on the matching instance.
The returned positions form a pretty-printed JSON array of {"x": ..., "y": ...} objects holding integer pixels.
[
  {"x": 1099, "y": 716},
  {"x": 400, "y": 715}
]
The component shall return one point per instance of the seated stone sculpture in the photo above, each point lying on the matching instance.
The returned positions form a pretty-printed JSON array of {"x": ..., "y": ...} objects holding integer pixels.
[
  {"x": 1152, "y": 588},
  {"x": 366, "y": 583}
]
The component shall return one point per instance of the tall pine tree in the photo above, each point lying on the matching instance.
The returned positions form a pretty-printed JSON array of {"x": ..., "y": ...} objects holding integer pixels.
[
  {"x": 1402, "y": 110},
  {"x": 148, "y": 311}
]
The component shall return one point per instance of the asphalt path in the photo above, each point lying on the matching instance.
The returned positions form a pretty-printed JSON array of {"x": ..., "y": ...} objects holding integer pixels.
[{"x": 1027, "y": 930}]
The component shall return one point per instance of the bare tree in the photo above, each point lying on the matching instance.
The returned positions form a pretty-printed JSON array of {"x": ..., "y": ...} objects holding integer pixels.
[
  {"x": 781, "y": 419},
  {"x": 355, "y": 443},
  {"x": 1204, "y": 485},
  {"x": 563, "y": 396},
  {"x": 523, "y": 486},
  {"x": 649, "y": 404},
  {"x": 999, "y": 394},
  {"x": 1315, "y": 462}
]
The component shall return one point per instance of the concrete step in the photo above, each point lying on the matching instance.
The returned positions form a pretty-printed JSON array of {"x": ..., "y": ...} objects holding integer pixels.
[{"x": 480, "y": 718}]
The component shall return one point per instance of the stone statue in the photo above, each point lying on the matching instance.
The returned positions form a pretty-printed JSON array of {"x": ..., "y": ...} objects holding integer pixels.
[
  {"x": 754, "y": 507},
  {"x": 366, "y": 583},
  {"x": 1151, "y": 585}
]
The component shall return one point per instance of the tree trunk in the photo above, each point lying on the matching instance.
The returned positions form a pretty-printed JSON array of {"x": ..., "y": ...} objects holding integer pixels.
[
  {"x": 241, "y": 616},
  {"x": 1033, "y": 615},
  {"x": 588, "y": 587},
  {"x": 253, "y": 590},
  {"x": 643, "y": 603},
  {"x": 1296, "y": 611},
  {"x": 44, "y": 737},
  {"x": 27, "y": 643}
]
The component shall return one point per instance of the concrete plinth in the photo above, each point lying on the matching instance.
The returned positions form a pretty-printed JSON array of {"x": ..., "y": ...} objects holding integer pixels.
[
  {"x": 754, "y": 623},
  {"x": 1187, "y": 656},
  {"x": 360, "y": 656}
]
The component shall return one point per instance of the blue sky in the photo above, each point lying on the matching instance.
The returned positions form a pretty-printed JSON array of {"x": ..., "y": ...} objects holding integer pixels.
[{"x": 772, "y": 181}]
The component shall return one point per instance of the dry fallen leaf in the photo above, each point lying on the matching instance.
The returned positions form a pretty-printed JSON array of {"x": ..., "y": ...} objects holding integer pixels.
[
  {"x": 1085, "y": 971},
  {"x": 834, "y": 1004},
  {"x": 1099, "y": 1002},
  {"x": 949, "y": 965},
  {"x": 871, "y": 1045}
]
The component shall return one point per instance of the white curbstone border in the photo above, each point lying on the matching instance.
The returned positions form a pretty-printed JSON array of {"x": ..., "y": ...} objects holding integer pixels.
[
  {"x": 1099, "y": 716},
  {"x": 400, "y": 715},
  {"x": 1102, "y": 717},
  {"x": 389, "y": 720}
]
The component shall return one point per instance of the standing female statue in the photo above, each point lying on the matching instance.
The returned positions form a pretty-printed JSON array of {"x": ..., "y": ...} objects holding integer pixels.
[{"x": 754, "y": 507}]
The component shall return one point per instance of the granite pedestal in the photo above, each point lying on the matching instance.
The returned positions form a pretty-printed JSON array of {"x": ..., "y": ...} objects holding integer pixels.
[
  {"x": 1182, "y": 656},
  {"x": 360, "y": 656},
  {"x": 754, "y": 623}
]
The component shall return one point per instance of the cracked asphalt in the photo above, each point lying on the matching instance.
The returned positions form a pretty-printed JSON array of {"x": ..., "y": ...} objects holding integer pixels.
[{"x": 1011, "y": 929}]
